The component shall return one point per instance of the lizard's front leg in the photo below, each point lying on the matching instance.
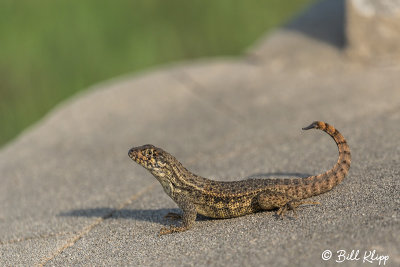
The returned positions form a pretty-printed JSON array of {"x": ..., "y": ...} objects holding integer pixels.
[
  {"x": 269, "y": 200},
  {"x": 188, "y": 218}
]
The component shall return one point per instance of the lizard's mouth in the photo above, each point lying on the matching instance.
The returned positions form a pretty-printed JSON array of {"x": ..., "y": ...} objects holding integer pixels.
[
  {"x": 136, "y": 155},
  {"x": 145, "y": 155},
  {"x": 132, "y": 153}
]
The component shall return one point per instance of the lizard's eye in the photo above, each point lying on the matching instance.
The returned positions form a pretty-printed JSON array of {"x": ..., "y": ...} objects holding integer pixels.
[{"x": 149, "y": 152}]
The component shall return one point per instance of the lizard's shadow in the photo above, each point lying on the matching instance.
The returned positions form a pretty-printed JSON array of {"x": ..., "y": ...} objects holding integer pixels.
[
  {"x": 156, "y": 215},
  {"x": 151, "y": 215}
]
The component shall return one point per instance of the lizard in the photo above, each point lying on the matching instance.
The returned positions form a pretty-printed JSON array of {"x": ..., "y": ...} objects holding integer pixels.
[{"x": 227, "y": 199}]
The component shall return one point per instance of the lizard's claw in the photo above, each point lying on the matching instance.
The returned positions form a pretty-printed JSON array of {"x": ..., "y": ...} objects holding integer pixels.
[
  {"x": 165, "y": 231},
  {"x": 171, "y": 229},
  {"x": 292, "y": 205}
]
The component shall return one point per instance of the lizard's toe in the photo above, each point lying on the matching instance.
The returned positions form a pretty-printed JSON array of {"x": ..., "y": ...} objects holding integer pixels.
[{"x": 165, "y": 231}]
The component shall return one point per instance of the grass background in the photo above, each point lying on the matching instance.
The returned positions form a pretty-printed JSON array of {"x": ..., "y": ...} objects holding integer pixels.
[{"x": 50, "y": 49}]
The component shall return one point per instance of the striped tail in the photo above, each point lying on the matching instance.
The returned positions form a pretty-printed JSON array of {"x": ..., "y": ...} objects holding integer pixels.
[{"x": 324, "y": 182}]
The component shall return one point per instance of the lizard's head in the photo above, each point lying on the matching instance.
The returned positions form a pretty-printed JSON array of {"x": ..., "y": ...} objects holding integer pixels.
[{"x": 150, "y": 157}]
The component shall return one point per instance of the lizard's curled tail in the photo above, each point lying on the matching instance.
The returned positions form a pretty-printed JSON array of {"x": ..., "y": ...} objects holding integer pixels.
[{"x": 324, "y": 182}]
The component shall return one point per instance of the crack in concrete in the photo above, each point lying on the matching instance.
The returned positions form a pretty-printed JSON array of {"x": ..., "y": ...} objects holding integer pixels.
[{"x": 88, "y": 228}]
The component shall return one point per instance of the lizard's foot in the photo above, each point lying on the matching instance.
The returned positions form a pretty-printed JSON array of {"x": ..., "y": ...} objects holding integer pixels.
[
  {"x": 173, "y": 216},
  {"x": 172, "y": 229},
  {"x": 292, "y": 205}
]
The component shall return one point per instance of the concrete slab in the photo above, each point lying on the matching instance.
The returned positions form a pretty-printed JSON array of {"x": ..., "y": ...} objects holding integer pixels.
[
  {"x": 71, "y": 196},
  {"x": 361, "y": 214}
]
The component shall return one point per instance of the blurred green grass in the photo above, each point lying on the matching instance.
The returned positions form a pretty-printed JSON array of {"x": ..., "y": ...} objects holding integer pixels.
[{"x": 50, "y": 49}]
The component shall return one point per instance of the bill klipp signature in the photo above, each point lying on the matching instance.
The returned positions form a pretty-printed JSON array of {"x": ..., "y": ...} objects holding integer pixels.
[{"x": 367, "y": 256}]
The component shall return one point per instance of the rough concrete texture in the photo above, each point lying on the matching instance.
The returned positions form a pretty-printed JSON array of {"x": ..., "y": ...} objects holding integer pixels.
[
  {"x": 70, "y": 195},
  {"x": 373, "y": 29}
]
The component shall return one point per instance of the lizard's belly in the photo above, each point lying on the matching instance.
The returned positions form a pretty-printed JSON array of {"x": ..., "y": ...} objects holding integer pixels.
[{"x": 225, "y": 211}]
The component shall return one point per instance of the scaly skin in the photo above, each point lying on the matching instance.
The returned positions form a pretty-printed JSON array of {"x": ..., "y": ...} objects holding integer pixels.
[{"x": 195, "y": 194}]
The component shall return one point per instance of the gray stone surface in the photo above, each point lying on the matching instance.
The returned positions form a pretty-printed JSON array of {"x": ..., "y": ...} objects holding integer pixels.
[
  {"x": 373, "y": 29},
  {"x": 70, "y": 195}
]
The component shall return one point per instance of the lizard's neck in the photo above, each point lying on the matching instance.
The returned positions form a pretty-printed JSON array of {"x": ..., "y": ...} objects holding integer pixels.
[
  {"x": 185, "y": 180},
  {"x": 174, "y": 177},
  {"x": 180, "y": 176}
]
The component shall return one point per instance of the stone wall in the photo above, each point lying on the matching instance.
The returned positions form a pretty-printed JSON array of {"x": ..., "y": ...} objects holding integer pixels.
[{"x": 373, "y": 29}]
